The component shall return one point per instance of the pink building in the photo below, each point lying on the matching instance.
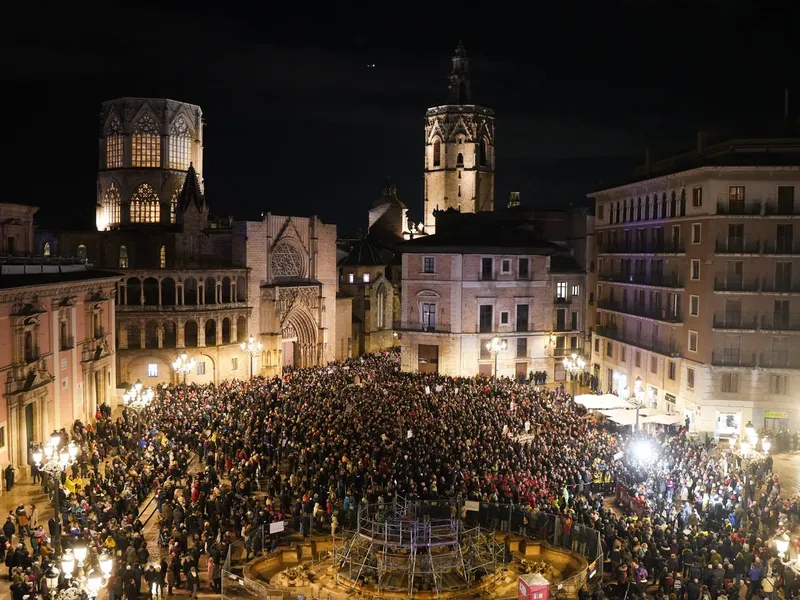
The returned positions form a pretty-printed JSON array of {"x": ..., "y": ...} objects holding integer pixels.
[{"x": 56, "y": 339}]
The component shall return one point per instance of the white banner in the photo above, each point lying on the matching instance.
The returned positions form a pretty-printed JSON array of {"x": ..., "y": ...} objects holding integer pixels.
[{"x": 277, "y": 527}]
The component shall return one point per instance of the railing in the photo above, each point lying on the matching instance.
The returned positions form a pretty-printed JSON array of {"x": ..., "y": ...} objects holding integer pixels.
[
  {"x": 736, "y": 284},
  {"x": 178, "y": 307},
  {"x": 741, "y": 207},
  {"x": 781, "y": 246},
  {"x": 32, "y": 356},
  {"x": 720, "y": 358},
  {"x": 425, "y": 327},
  {"x": 668, "y": 348},
  {"x": 674, "y": 280},
  {"x": 776, "y": 207},
  {"x": 780, "y": 287},
  {"x": 727, "y": 320},
  {"x": 67, "y": 342},
  {"x": 658, "y": 314},
  {"x": 780, "y": 322},
  {"x": 562, "y": 300},
  {"x": 646, "y": 248},
  {"x": 565, "y": 352},
  {"x": 737, "y": 246},
  {"x": 778, "y": 360}
]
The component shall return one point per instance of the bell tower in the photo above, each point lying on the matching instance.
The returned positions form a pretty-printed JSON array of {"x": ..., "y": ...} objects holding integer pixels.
[{"x": 459, "y": 149}]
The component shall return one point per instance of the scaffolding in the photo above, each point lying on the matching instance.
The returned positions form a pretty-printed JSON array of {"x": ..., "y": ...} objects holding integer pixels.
[{"x": 398, "y": 547}]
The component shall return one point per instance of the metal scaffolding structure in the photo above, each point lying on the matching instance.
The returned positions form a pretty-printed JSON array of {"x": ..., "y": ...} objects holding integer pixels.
[{"x": 398, "y": 547}]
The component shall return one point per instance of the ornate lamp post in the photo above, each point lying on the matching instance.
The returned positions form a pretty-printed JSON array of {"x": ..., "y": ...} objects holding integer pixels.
[
  {"x": 495, "y": 346},
  {"x": 80, "y": 587},
  {"x": 184, "y": 364},
  {"x": 251, "y": 347},
  {"x": 746, "y": 453},
  {"x": 574, "y": 365},
  {"x": 637, "y": 400},
  {"x": 53, "y": 461},
  {"x": 138, "y": 398}
]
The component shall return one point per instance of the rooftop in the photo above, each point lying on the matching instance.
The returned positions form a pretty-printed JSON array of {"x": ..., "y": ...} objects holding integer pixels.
[{"x": 18, "y": 272}]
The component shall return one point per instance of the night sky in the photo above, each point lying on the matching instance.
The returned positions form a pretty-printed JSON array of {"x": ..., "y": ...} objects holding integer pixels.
[{"x": 296, "y": 123}]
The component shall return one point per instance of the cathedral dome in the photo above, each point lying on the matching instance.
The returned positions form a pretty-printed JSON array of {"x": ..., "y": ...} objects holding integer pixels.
[
  {"x": 366, "y": 254},
  {"x": 389, "y": 197}
]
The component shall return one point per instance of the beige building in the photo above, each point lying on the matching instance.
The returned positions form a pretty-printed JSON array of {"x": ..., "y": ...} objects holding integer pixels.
[
  {"x": 56, "y": 339},
  {"x": 487, "y": 275},
  {"x": 459, "y": 150},
  {"x": 193, "y": 283},
  {"x": 695, "y": 294}
]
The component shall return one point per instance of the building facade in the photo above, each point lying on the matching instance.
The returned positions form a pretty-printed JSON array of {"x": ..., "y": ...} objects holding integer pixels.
[
  {"x": 695, "y": 294},
  {"x": 191, "y": 282},
  {"x": 483, "y": 276},
  {"x": 57, "y": 340},
  {"x": 459, "y": 150}
]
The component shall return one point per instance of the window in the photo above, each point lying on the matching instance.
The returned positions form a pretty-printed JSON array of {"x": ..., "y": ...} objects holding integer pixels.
[
  {"x": 505, "y": 266},
  {"x": 152, "y": 369},
  {"x": 597, "y": 345},
  {"x": 350, "y": 278},
  {"x": 637, "y": 359},
  {"x": 692, "y": 341},
  {"x": 786, "y": 199},
  {"x": 201, "y": 367},
  {"x": 63, "y": 364},
  {"x": 65, "y": 383},
  {"x": 180, "y": 144},
  {"x": 697, "y": 197},
  {"x": 694, "y": 306},
  {"x": 777, "y": 384},
  {"x": 623, "y": 353},
  {"x": 437, "y": 153},
  {"x": 576, "y": 290},
  {"x": 690, "y": 378},
  {"x": 162, "y": 257},
  {"x": 3, "y": 436},
  {"x": 522, "y": 268},
  {"x": 234, "y": 363},
  {"x": 522, "y": 347},
  {"x": 428, "y": 316},
  {"x": 81, "y": 252},
  {"x": 504, "y": 317},
  {"x": 522, "y": 317},
  {"x": 365, "y": 277},
  {"x": 561, "y": 290},
  {"x": 484, "y": 158},
  {"x": 111, "y": 205},
  {"x": 609, "y": 349},
  {"x": 173, "y": 206},
  {"x": 460, "y": 160},
  {"x": 671, "y": 370},
  {"x": 145, "y": 205},
  {"x": 601, "y": 212},
  {"x": 123, "y": 257},
  {"x": 114, "y": 144},
  {"x": 428, "y": 264},
  {"x": 485, "y": 317},
  {"x": 486, "y": 268},
  {"x": 695, "y": 269},
  {"x": 695, "y": 233},
  {"x": 146, "y": 144},
  {"x": 654, "y": 364},
  {"x": 46, "y": 249},
  {"x": 730, "y": 383},
  {"x": 459, "y": 185}
]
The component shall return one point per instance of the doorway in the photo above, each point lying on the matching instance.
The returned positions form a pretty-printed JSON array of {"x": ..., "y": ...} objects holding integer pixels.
[
  {"x": 521, "y": 371},
  {"x": 289, "y": 349},
  {"x": 427, "y": 358}
]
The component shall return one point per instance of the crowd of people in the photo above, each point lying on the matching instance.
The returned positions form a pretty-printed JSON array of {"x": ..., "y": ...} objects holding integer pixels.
[{"x": 309, "y": 447}]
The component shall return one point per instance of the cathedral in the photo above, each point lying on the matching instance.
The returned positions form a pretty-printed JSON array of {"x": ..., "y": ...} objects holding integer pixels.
[{"x": 192, "y": 283}]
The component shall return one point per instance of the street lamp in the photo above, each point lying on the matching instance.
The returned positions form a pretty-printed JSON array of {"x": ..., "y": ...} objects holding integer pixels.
[
  {"x": 637, "y": 400},
  {"x": 496, "y": 346},
  {"x": 574, "y": 365},
  {"x": 782, "y": 544},
  {"x": 53, "y": 461},
  {"x": 138, "y": 398},
  {"x": 80, "y": 587},
  {"x": 747, "y": 454},
  {"x": 183, "y": 364},
  {"x": 251, "y": 347}
]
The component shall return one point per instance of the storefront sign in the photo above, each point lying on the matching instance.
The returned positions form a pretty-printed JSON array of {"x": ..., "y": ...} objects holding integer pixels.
[{"x": 776, "y": 414}]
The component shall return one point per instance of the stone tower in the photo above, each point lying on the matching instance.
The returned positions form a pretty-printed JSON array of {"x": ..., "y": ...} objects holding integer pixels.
[
  {"x": 146, "y": 148},
  {"x": 459, "y": 150}
]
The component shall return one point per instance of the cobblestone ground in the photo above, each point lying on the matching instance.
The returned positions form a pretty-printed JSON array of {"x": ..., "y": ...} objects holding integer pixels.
[{"x": 787, "y": 466}]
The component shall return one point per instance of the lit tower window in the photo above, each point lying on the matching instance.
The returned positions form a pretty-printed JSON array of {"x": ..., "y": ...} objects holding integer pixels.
[
  {"x": 173, "y": 206},
  {"x": 146, "y": 144},
  {"x": 111, "y": 205},
  {"x": 145, "y": 207},
  {"x": 179, "y": 145},
  {"x": 114, "y": 144}
]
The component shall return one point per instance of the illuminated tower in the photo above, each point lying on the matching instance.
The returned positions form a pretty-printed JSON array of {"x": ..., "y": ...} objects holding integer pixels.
[
  {"x": 146, "y": 147},
  {"x": 459, "y": 149}
]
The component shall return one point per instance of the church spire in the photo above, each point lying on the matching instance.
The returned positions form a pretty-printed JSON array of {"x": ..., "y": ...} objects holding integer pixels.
[
  {"x": 460, "y": 92},
  {"x": 190, "y": 192}
]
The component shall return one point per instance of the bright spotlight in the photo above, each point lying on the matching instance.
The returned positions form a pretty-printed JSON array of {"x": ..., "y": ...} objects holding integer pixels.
[{"x": 643, "y": 451}]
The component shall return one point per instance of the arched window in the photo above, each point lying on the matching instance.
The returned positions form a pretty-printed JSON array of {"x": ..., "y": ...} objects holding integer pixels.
[
  {"x": 162, "y": 257},
  {"x": 111, "y": 205},
  {"x": 145, "y": 207},
  {"x": 286, "y": 262},
  {"x": 673, "y": 208},
  {"x": 639, "y": 209},
  {"x": 484, "y": 157},
  {"x": 618, "y": 212},
  {"x": 81, "y": 252},
  {"x": 46, "y": 249},
  {"x": 664, "y": 205},
  {"x": 179, "y": 145},
  {"x": 123, "y": 257},
  {"x": 647, "y": 208},
  {"x": 625, "y": 212},
  {"x": 683, "y": 203},
  {"x": 437, "y": 153},
  {"x": 114, "y": 144},
  {"x": 380, "y": 312},
  {"x": 460, "y": 160},
  {"x": 146, "y": 144},
  {"x": 173, "y": 206}
]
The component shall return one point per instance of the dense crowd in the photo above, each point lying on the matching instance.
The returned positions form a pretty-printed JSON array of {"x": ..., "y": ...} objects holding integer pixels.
[{"x": 311, "y": 446}]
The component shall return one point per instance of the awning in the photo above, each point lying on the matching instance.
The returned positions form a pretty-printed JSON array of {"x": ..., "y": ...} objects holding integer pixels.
[
  {"x": 606, "y": 401},
  {"x": 664, "y": 419},
  {"x": 625, "y": 417}
]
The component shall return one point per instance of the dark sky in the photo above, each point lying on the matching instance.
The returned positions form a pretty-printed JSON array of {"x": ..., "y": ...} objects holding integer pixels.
[{"x": 297, "y": 124}]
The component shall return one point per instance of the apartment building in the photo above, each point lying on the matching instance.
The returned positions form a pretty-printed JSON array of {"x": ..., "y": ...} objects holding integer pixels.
[
  {"x": 485, "y": 276},
  {"x": 698, "y": 286}
]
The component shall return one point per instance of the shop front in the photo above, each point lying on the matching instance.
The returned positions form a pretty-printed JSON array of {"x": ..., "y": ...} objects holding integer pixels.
[{"x": 729, "y": 424}]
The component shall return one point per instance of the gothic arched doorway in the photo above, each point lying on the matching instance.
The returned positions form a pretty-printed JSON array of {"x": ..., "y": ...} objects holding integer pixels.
[{"x": 299, "y": 340}]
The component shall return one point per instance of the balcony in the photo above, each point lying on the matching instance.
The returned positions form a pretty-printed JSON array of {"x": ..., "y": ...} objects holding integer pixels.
[
  {"x": 780, "y": 286},
  {"x": 735, "y": 321},
  {"x": 736, "y": 284},
  {"x": 781, "y": 246},
  {"x": 737, "y": 246},
  {"x": 32, "y": 356},
  {"x": 670, "y": 280},
  {"x": 179, "y": 307},
  {"x": 778, "y": 208},
  {"x": 647, "y": 248},
  {"x": 67, "y": 342},
  {"x": 732, "y": 358},
  {"x": 426, "y": 328},
  {"x": 562, "y": 300},
  {"x": 778, "y": 360},
  {"x": 668, "y": 348},
  {"x": 780, "y": 322},
  {"x": 658, "y": 314},
  {"x": 739, "y": 208},
  {"x": 99, "y": 333},
  {"x": 565, "y": 352}
]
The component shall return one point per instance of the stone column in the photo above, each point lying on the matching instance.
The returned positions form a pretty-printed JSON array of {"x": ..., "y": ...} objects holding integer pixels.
[
  {"x": 201, "y": 296},
  {"x": 142, "y": 333},
  {"x": 160, "y": 282},
  {"x": 160, "y": 335},
  {"x": 123, "y": 336},
  {"x": 201, "y": 335},
  {"x": 141, "y": 291},
  {"x": 179, "y": 337},
  {"x": 180, "y": 297},
  {"x": 234, "y": 336}
]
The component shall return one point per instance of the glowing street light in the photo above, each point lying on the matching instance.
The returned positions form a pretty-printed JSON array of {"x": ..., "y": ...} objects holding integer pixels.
[
  {"x": 138, "y": 398},
  {"x": 252, "y": 348},
  {"x": 782, "y": 544},
  {"x": 574, "y": 365},
  {"x": 637, "y": 400},
  {"x": 53, "y": 461},
  {"x": 495, "y": 346},
  {"x": 184, "y": 364}
]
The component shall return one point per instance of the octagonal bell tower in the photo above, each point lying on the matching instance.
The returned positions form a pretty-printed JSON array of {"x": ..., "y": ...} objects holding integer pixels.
[{"x": 459, "y": 149}]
